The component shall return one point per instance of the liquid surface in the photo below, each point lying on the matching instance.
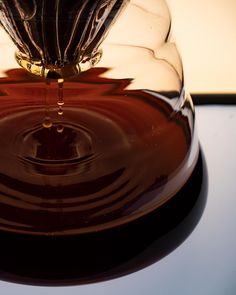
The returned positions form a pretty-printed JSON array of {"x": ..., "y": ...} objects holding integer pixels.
[
  {"x": 112, "y": 156},
  {"x": 100, "y": 256}
]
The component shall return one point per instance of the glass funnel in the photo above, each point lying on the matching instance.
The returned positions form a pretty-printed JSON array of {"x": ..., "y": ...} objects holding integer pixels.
[{"x": 96, "y": 129}]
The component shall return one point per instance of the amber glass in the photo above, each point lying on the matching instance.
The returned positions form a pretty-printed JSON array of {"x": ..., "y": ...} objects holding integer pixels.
[{"x": 112, "y": 137}]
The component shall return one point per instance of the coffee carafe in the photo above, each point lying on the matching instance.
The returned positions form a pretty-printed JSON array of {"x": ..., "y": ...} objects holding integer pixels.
[{"x": 96, "y": 127}]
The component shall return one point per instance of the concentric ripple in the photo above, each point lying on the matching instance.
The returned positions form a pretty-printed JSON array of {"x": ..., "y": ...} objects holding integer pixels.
[{"x": 117, "y": 155}]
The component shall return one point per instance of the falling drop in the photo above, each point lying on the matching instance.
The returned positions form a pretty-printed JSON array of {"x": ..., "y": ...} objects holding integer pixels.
[
  {"x": 60, "y": 101},
  {"x": 60, "y": 128},
  {"x": 60, "y": 111},
  {"x": 47, "y": 123}
]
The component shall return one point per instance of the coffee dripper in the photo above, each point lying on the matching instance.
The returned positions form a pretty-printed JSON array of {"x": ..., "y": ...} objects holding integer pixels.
[{"x": 96, "y": 127}]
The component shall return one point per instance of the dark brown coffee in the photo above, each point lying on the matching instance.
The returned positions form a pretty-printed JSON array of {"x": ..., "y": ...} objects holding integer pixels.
[{"x": 112, "y": 156}]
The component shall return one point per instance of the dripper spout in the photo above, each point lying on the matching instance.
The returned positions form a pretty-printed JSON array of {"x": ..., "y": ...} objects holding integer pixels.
[{"x": 58, "y": 38}]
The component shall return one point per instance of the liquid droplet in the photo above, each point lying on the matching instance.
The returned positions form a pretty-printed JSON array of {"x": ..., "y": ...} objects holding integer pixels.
[
  {"x": 60, "y": 101},
  {"x": 60, "y": 111},
  {"x": 60, "y": 128},
  {"x": 47, "y": 123}
]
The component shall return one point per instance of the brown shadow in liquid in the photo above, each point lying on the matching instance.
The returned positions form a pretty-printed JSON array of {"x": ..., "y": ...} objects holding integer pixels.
[{"x": 89, "y": 258}]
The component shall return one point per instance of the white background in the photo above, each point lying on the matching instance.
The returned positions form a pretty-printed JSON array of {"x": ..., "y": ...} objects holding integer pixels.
[{"x": 205, "y": 31}]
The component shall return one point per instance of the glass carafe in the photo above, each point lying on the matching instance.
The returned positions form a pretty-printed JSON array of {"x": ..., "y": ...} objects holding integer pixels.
[{"x": 96, "y": 128}]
